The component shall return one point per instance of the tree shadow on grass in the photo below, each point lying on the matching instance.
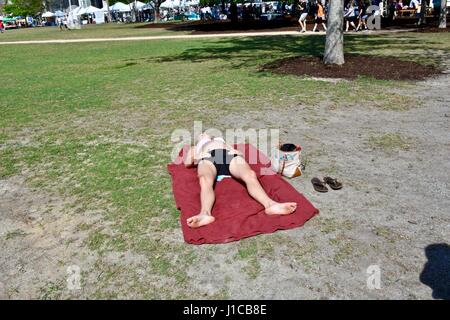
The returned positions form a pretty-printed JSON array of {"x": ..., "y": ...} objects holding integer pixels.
[
  {"x": 247, "y": 50},
  {"x": 436, "y": 272}
]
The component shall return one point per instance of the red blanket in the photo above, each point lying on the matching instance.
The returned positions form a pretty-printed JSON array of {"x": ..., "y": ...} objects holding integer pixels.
[{"x": 237, "y": 214}]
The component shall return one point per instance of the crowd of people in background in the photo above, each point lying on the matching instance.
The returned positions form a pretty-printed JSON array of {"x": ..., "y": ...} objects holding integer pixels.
[
  {"x": 62, "y": 23},
  {"x": 356, "y": 13}
]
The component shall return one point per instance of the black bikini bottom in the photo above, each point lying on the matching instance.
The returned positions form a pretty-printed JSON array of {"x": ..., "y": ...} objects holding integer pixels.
[{"x": 221, "y": 160}]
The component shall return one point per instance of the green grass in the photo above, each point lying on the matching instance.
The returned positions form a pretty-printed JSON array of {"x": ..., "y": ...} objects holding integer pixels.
[
  {"x": 14, "y": 234},
  {"x": 92, "y": 122},
  {"x": 111, "y": 30},
  {"x": 389, "y": 142},
  {"x": 248, "y": 251}
]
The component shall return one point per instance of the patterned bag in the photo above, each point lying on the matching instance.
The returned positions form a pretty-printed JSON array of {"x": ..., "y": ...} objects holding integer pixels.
[{"x": 286, "y": 160}]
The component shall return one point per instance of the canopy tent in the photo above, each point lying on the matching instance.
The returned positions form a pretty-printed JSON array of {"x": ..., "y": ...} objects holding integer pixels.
[
  {"x": 7, "y": 19},
  {"x": 88, "y": 10},
  {"x": 92, "y": 9},
  {"x": 120, "y": 6},
  {"x": 74, "y": 10},
  {"x": 139, "y": 5},
  {"x": 71, "y": 8},
  {"x": 170, "y": 4},
  {"x": 59, "y": 13},
  {"x": 149, "y": 5},
  {"x": 48, "y": 14}
]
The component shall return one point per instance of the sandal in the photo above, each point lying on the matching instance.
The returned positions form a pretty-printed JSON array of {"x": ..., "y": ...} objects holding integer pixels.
[
  {"x": 333, "y": 183},
  {"x": 319, "y": 185}
]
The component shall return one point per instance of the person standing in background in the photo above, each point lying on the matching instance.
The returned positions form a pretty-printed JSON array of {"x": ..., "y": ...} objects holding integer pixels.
[
  {"x": 304, "y": 11},
  {"x": 320, "y": 16}
]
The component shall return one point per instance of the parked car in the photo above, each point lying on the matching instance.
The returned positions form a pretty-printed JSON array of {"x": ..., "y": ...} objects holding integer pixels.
[{"x": 191, "y": 16}]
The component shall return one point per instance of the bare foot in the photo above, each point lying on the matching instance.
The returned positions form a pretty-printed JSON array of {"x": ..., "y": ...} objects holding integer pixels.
[
  {"x": 281, "y": 208},
  {"x": 199, "y": 220}
]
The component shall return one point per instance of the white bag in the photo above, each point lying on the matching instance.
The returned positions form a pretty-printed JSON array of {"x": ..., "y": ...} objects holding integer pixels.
[{"x": 287, "y": 163}]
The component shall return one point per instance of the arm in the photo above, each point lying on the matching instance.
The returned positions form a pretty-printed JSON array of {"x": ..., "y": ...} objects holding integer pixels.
[{"x": 189, "y": 158}]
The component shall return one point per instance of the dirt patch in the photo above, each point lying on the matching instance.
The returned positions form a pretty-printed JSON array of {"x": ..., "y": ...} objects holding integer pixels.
[
  {"x": 385, "y": 68},
  {"x": 376, "y": 219},
  {"x": 433, "y": 28}
]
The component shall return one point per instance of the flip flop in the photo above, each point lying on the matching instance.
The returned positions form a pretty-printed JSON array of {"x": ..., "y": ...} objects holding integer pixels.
[
  {"x": 333, "y": 183},
  {"x": 318, "y": 185}
]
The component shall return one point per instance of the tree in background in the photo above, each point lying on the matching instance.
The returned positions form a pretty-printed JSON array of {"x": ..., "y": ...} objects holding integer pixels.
[
  {"x": 443, "y": 15},
  {"x": 157, "y": 4},
  {"x": 334, "y": 42},
  {"x": 23, "y": 7}
]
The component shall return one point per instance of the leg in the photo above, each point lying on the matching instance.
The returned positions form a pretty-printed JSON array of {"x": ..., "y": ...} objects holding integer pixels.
[
  {"x": 241, "y": 170},
  {"x": 206, "y": 176}
]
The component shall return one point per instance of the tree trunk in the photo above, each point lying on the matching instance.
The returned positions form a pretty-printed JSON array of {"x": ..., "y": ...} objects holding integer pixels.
[
  {"x": 334, "y": 43},
  {"x": 156, "y": 12},
  {"x": 109, "y": 11},
  {"x": 423, "y": 13},
  {"x": 443, "y": 15}
]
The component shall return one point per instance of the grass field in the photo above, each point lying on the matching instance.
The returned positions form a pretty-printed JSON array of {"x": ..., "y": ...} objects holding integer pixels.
[
  {"x": 88, "y": 31},
  {"x": 87, "y": 127}
]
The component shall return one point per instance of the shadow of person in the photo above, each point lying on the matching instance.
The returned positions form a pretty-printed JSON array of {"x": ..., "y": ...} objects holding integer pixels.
[{"x": 436, "y": 272}]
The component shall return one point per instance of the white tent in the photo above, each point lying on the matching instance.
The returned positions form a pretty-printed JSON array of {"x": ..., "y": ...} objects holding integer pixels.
[
  {"x": 71, "y": 8},
  {"x": 150, "y": 5},
  {"x": 92, "y": 9},
  {"x": 170, "y": 4},
  {"x": 192, "y": 3},
  {"x": 119, "y": 6},
  {"x": 139, "y": 5},
  {"x": 75, "y": 10},
  {"x": 48, "y": 14},
  {"x": 81, "y": 11},
  {"x": 59, "y": 13}
]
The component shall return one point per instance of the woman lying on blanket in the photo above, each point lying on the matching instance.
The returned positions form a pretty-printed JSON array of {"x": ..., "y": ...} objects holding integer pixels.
[{"x": 214, "y": 158}]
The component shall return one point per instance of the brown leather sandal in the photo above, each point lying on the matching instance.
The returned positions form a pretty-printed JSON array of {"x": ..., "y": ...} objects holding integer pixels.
[
  {"x": 333, "y": 183},
  {"x": 319, "y": 185}
]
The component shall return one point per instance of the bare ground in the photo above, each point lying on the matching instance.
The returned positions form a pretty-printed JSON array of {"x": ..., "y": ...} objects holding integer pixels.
[
  {"x": 393, "y": 204},
  {"x": 394, "y": 166}
]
